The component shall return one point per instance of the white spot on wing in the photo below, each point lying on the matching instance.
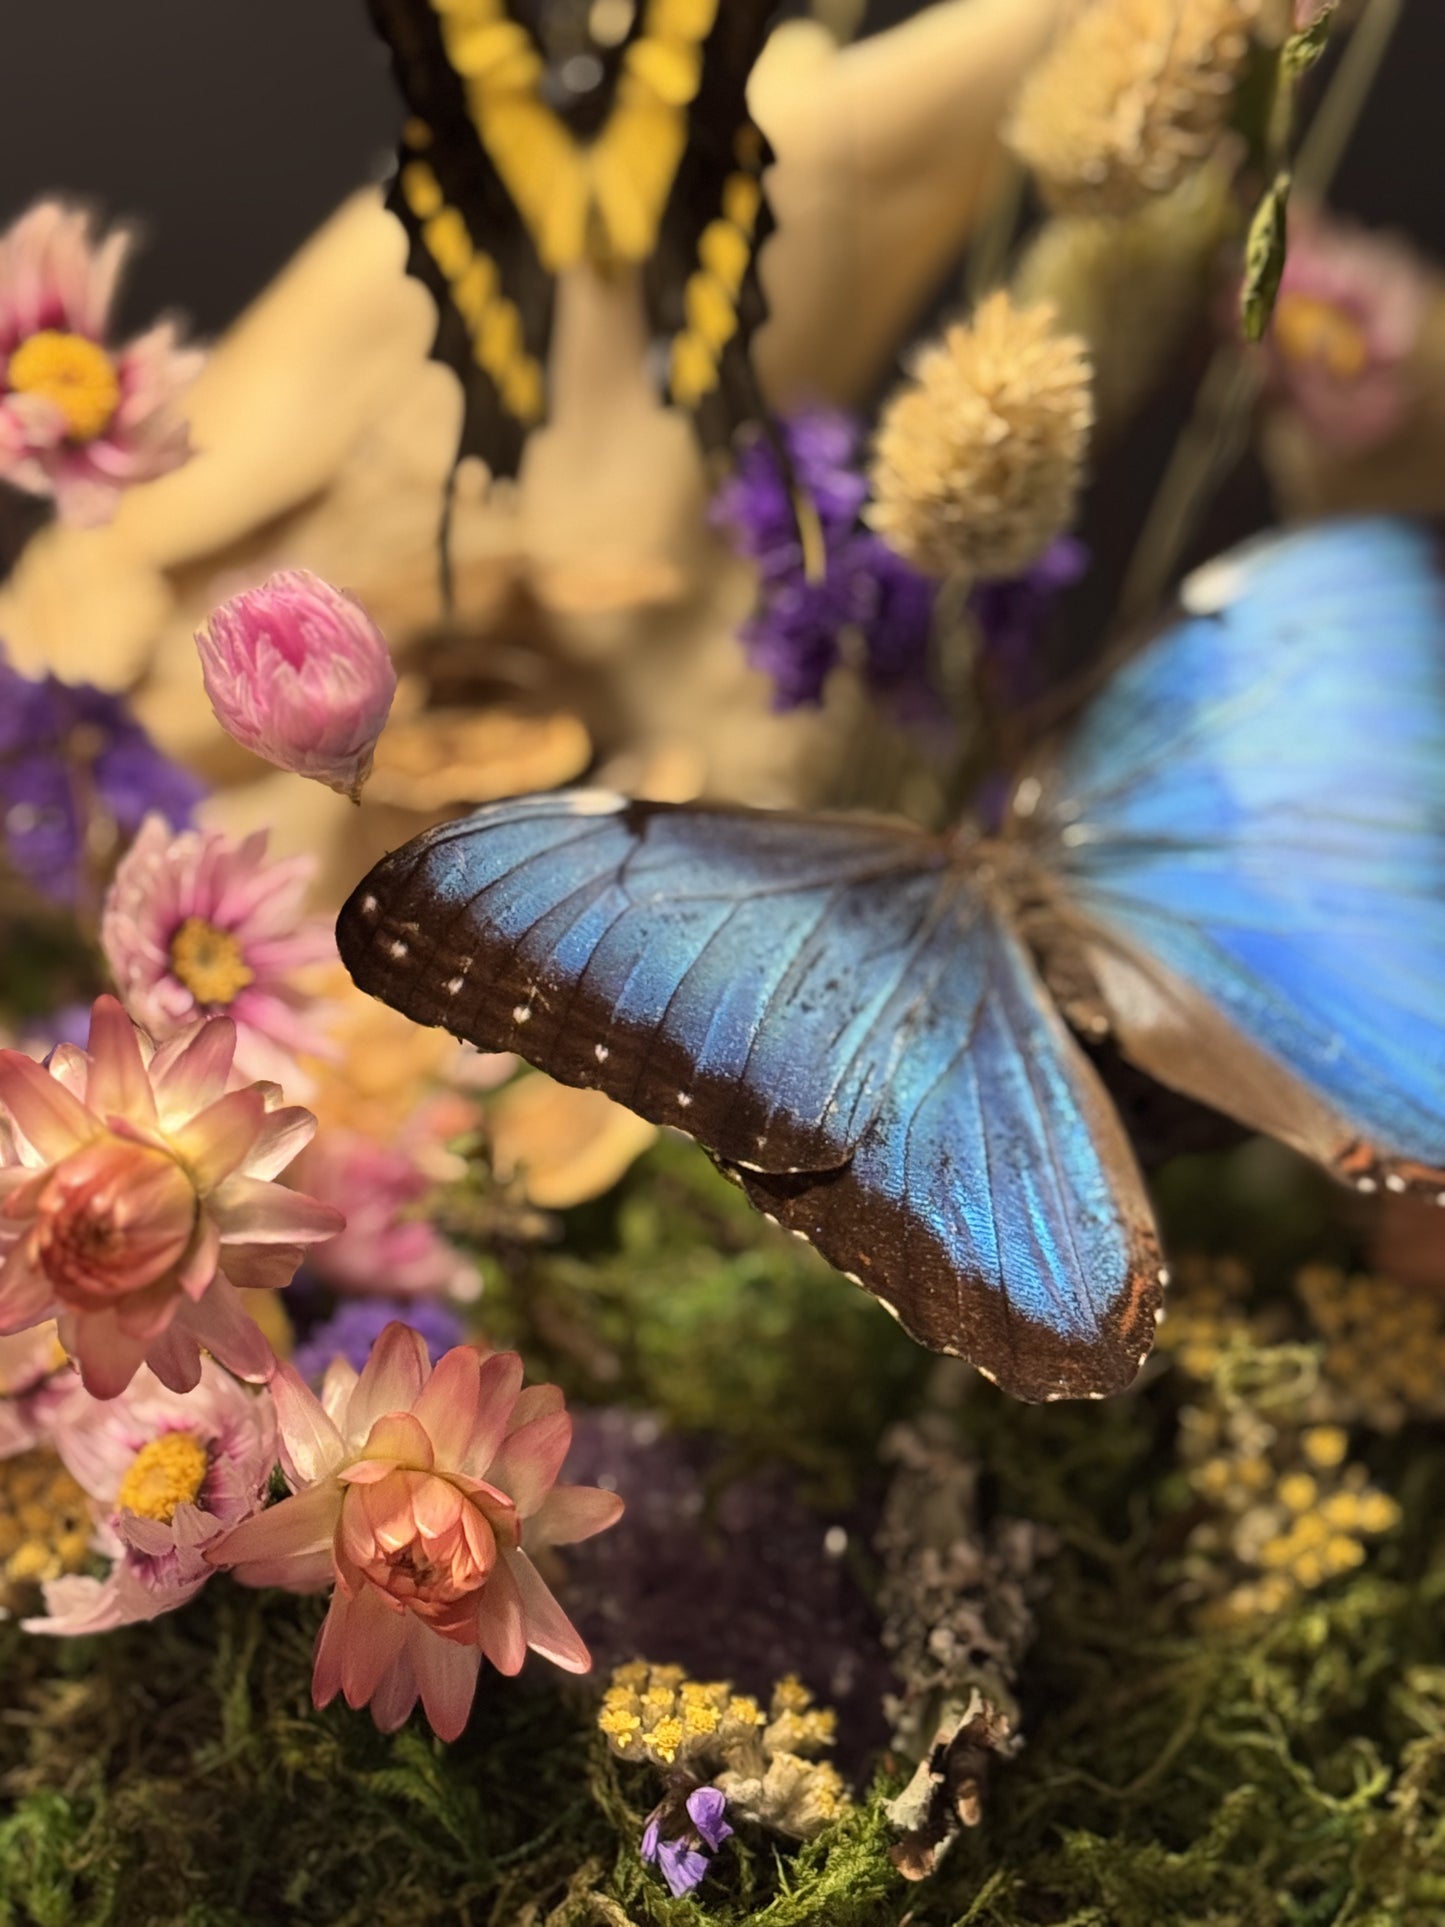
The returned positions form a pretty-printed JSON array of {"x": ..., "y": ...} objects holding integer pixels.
[
  {"x": 521, "y": 1013},
  {"x": 1394, "y": 1182},
  {"x": 398, "y": 948},
  {"x": 1026, "y": 796},
  {"x": 369, "y": 906},
  {"x": 1366, "y": 1185},
  {"x": 454, "y": 984},
  {"x": 601, "y": 1053},
  {"x": 686, "y": 1102},
  {"x": 593, "y": 803}
]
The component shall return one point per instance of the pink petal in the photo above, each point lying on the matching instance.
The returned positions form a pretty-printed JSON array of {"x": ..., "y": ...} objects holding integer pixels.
[
  {"x": 311, "y": 1446},
  {"x": 535, "y": 1402},
  {"x": 308, "y": 1572},
  {"x": 109, "y": 1358},
  {"x": 396, "y": 1695},
  {"x": 399, "y": 1437},
  {"x": 549, "y": 1631},
  {"x": 221, "y": 1323},
  {"x": 119, "y": 1085},
  {"x": 26, "y": 1294},
  {"x": 42, "y": 1109},
  {"x": 285, "y": 1133},
  {"x": 572, "y": 1512},
  {"x": 295, "y": 1530},
  {"x": 502, "y": 1620},
  {"x": 190, "y": 1071},
  {"x": 337, "y": 1387},
  {"x": 217, "y": 1140},
  {"x": 499, "y": 1382},
  {"x": 390, "y": 1380},
  {"x": 255, "y": 1211},
  {"x": 446, "y": 1673},
  {"x": 199, "y": 1268},
  {"x": 326, "y": 1668},
  {"x": 527, "y": 1465},
  {"x": 447, "y": 1406},
  {"x": 175, "y": 1358},
  {"x": 375, "y": 1635},
  {"x": 260, "y": 1267}
]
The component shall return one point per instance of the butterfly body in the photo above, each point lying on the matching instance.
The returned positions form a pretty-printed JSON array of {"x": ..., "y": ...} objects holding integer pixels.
[
  {"x": 537, "y": 147},
  {"x": 857, "y": 1019}
]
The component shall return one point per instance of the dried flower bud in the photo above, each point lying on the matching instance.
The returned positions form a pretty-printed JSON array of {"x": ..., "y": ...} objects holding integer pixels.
[
  {"x": 298, "y": 673},
  {"x": 1132, "y": 97},
  {"x": 979, "y": 457}
]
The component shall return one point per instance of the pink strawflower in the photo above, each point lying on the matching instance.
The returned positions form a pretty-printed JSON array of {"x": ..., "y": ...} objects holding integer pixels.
[
  {"x": 135, "y": 1197},
  {"x": 168, "y": 1473},
  {"x": 424, "y": 1492},
  {"x": 388, "y": 1247},
  {"x": 81, "y": 420},
  {"x": 200, "y": 924},
  {"x": 1350, "y": 309},
  {"x": 299, "y": 673}
]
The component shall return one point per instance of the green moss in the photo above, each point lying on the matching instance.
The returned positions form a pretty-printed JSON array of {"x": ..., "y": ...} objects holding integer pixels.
[{"x": 1288, "y": 1774}]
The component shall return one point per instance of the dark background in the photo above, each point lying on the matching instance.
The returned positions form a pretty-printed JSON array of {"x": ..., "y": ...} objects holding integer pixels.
[{"x": 233, "y": 127}]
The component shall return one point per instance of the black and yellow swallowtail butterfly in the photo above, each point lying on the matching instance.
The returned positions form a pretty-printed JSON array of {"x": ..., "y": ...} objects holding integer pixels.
[{"x": 546, "y": 133}]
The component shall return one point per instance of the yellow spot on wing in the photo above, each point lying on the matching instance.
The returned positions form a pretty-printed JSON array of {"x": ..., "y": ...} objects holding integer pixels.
[
  {"x": 725, "y": 253},
  {"x": 422, "y": 190},
  {"x": 709, "y": 310},
  {"x": 692, "y": 370},
  {"x": 448, "y": 242}
]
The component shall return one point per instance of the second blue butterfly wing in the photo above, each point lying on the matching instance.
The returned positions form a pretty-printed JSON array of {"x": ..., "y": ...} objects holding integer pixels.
[
  {"x": 835, "y": 1008},
  {"x": 1246, "y": 834}
]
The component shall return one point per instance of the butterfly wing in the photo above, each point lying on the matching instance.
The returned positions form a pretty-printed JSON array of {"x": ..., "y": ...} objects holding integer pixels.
[
  {"x": 1248, "y": 832},
  {"x": 701, "y": 283},
  {"x": 834, "y": 1008},
  {"x": 467, "y": 244}
]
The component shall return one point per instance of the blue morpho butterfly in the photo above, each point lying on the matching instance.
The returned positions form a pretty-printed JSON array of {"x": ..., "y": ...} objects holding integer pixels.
[{"x": 1234, "y": 862}]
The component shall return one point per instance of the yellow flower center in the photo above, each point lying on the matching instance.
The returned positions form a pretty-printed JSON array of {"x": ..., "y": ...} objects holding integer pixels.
[
  {"x": 77, "y": 375},
  {"x": 1308, "y": 329},
  {"x": 167, "y": 1472},
  {"x": 209, "y": 962}
]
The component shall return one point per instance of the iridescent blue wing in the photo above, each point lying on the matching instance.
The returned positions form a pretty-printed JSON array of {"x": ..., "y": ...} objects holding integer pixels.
[
  {"x": 1247, "y": 831},
  {"x": 834, "y": 1008}
]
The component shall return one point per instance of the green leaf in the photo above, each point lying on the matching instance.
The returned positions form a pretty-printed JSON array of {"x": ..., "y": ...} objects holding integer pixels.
[{"x": 1264, "y": 258}]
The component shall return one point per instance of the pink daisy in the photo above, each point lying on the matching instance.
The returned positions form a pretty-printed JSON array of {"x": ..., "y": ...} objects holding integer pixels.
[
  {"x": 200, "y": 924},
  {"x": 81, "y": 420},
  {"x": 423, "y": 1493},
  {"x": 167, "y": 1473}
]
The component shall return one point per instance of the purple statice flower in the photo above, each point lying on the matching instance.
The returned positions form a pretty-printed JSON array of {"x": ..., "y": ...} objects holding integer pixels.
[
  {"x": 683, "y": 1860},
  {"x": 1011, "y": 611},
  {"x": 72, "y": 755},
  {"x": 357, "y": 1323},
  {"x": 795, "y": 634}
]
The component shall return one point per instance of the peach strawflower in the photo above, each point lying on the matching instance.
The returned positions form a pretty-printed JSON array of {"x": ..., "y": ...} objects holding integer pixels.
[
  {"x": 136, "y": 1196},
  {"x": 167, "y": 1473},
  {"x": 200, "y": 924},
  {"x": 424, "y": 1492},
  {"x": 298, "y": 672},
  {"x": 81, "y": 420}
]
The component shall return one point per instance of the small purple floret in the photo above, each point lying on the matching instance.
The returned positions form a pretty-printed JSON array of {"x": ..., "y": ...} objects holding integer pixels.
[{"x": 795, "y": 633}]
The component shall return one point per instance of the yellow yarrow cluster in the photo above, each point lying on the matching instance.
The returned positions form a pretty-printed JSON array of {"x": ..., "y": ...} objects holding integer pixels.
[
  {"x": 1132, "y": 98},
  {"x": 979, "y": 456},
  {"x": 44, "y": 1526},
  {"x": 1206, "y": 1313},
  {"x": 657, "y": 1713},
  {"x": 1384, "y": 1355},
  {"x": 763, "y": 1761},
  {"x": 1266, "y": 1455}
]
